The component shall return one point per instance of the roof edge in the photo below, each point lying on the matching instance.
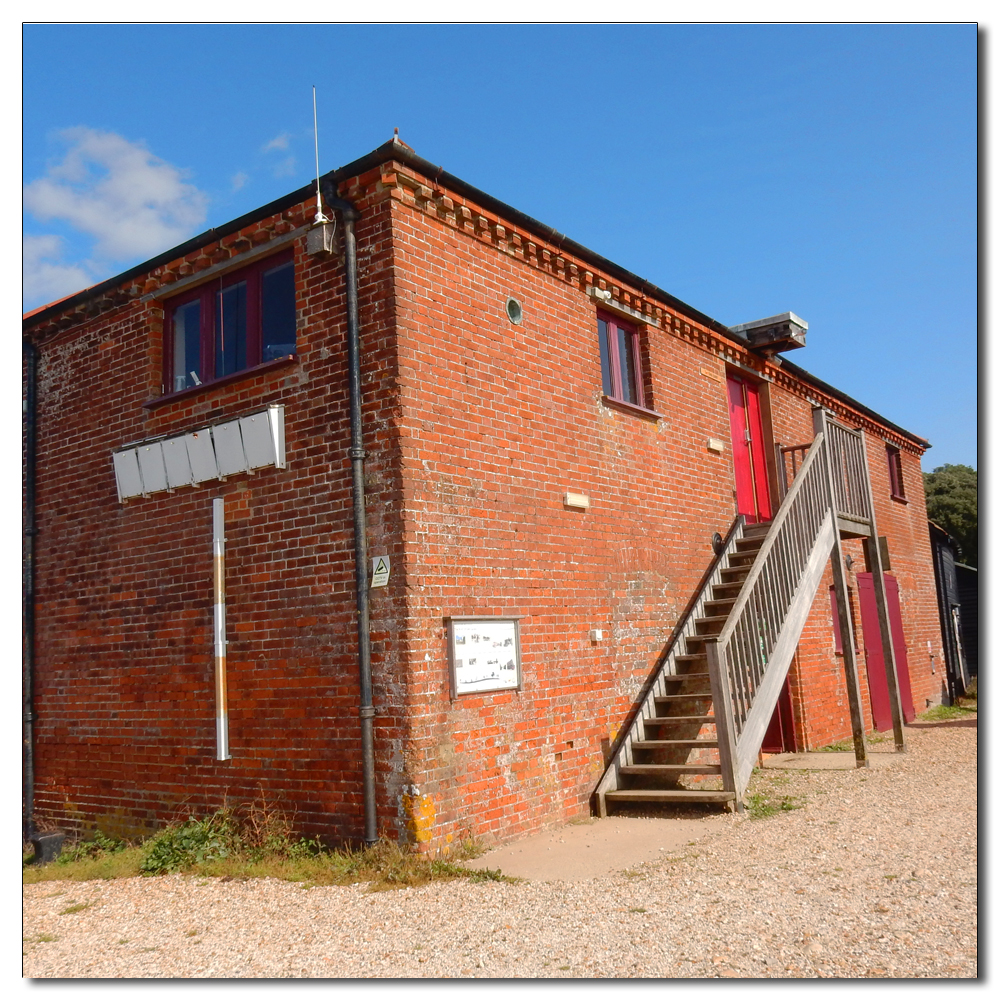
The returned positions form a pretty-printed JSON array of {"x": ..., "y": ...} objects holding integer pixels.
[
  {"x": 853, "y": 403},
  {"x": 395, "y": 149}
]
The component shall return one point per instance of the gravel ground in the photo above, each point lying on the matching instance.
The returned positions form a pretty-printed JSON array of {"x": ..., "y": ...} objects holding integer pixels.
[{"x": 874, "y": 876}]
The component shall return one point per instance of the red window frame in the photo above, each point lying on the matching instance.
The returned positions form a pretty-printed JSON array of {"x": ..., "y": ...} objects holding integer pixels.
[
  {"x": 619, "y": 344},
  {"x": 895, "y": 461},
  {"x": 206, "y": 295}
]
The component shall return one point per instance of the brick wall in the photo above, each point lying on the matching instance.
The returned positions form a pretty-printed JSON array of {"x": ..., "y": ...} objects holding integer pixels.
[
  {"x": 125, "y": 695},
  {"x": 487, "y": 532},
  {"x": 475, "y": 428}
]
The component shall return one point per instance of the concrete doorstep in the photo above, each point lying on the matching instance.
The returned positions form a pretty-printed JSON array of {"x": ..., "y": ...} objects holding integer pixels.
[{"x": 833, "y": 760}]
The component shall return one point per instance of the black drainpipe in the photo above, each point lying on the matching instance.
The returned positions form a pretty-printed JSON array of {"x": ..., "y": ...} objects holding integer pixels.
[
  {"x": 348, "y": 214},
  {"x": 28, "y": 590}
]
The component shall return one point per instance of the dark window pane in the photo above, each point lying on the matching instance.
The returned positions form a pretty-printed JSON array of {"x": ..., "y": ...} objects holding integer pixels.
[
  {"x": 626, "y": 361},
  {"x": 602, "y": 336},
  {"x": 278, "y": 312},
  {"x": 187, "y": 346},
  {"x": 231, "y": 330}
]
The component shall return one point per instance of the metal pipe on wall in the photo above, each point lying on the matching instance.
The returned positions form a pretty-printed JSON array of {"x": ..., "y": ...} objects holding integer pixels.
[
  {"x": 28, "y": 591},
  {"x": 219, "y": 609},
  {"x": 366, "y": 712}
]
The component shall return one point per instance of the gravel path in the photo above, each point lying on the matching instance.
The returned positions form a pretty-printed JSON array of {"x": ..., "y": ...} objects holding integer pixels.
[{"x": 875, "y": 876}]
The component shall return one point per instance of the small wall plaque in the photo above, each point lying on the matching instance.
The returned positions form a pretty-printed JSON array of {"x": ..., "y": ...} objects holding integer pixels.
[
  {"x": 380, "y": 571},
  {"x": 484, "y": 654}
]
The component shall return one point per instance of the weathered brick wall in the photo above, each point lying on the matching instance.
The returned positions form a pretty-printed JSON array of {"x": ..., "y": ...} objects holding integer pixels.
[
  {"x": 487, "y": 533},
  {"x": 125, "y": 696},
  {"x": 475, "y": 429}
]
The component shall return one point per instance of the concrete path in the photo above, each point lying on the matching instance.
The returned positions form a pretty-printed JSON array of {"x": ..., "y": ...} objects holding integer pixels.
[{"x": 589, "y": 848}]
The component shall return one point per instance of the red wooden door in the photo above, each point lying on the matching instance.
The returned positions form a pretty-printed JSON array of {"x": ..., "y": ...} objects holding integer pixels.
[
  {"x": 878, "y": 686},
  {"x": 752, "y": 495},
  {"x": 780, "y": 735}
]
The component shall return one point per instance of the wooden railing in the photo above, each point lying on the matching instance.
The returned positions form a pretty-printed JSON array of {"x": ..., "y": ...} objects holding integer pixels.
[
  {"x": 749, "y": 660},
  {"x": 634, "y": 727},
  {"x": 850, "y": 472},
  {"x": 790, "y": 459}
]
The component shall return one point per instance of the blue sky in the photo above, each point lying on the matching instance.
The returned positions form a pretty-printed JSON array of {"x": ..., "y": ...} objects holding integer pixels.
[{"x": 827, "y": 169}]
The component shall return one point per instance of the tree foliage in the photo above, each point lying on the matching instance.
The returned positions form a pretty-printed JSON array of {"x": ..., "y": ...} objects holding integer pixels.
[{"x": 953, "y": 502}]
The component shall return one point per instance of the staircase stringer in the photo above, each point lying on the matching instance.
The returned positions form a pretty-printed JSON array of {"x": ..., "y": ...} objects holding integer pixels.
[
  {"x": 634, "y": 728},
  {"x": 749, "y": 660},
  {"x": 755, "y": 727}
]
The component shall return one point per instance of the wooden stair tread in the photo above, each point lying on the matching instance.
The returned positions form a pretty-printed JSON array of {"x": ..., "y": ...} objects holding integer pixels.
[
  {"x": 670, "y": 744},
  {"x": 662, "y": 720},
  {"x": 667, "y": 795},
  {"x": 668, "y": 769},
  {"x": 692, "y": 696}
]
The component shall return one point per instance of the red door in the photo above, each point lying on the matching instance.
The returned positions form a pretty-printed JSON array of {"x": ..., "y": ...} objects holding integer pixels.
[
  {"x": 752, "y": 497},
  {"x": 780, "y": 735},
  {"x": 878, "y": 686}
]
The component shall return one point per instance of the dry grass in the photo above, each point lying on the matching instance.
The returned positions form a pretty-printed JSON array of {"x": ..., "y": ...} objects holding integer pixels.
[{"x": 256, "y": 841}]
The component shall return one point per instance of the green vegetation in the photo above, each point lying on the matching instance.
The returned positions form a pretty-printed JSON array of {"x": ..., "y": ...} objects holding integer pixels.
[
  {"x": 255, "y": 842},
  {"x": 760, "y": 805},
  {"x": 964, "y": 706},
  {"x": 953, "y": 502},
  {"x": 76, "y": 908},
  {"x": 941, "y": 713}
]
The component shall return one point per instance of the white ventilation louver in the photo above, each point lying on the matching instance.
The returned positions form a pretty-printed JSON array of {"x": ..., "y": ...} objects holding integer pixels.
[{"x": 252, "y": 442}]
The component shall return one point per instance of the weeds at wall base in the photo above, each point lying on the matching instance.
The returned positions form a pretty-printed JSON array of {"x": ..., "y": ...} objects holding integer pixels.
[{"x": 230, "y": 847}]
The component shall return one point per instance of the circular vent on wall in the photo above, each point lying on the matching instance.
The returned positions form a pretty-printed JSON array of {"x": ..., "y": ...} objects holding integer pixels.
[{"x": 514, "y": 311}]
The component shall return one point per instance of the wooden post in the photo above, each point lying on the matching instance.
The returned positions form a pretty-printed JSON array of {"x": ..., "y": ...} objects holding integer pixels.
[
  {"x": 725, "y": 723},
  {"x": 843, "y": 607},
  {"x": 873, "y": 562},
  {"x": 850, "y": 663}
]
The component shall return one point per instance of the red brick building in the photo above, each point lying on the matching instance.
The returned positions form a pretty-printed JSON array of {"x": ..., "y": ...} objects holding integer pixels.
[{"x": 549, "y": 441}]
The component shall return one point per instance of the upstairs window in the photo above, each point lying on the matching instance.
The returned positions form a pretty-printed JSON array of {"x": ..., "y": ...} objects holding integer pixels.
[
  {"x": 621, "y": 360},
  {"x": 231, "y": 324},
  {"x": 895, "y": 461}
]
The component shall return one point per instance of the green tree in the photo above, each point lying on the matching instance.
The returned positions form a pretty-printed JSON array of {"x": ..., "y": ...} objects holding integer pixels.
[{"x": 953, "y": 502}]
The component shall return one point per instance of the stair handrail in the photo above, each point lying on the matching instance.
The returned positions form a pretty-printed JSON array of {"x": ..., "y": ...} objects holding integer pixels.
[
  {"x": 798, "y": 484},
  {"x": 758, "y": 640}
]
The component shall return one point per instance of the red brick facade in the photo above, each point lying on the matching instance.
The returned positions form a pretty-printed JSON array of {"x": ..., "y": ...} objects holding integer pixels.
[{"x": 475, "y": 429}]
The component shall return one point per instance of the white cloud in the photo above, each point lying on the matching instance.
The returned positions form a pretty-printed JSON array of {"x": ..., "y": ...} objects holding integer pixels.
[
  {"x": 239, "y": 180},
  {"x": 45, "y": 276},
  {"x": 286, "y": 168},
  {"x": 131, "y": 202},
  {"x": 278, "y": 142}
]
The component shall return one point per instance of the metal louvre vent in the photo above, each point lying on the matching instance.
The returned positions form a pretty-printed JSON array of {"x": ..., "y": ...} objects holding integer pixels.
[{"x": 251, "y": 442}]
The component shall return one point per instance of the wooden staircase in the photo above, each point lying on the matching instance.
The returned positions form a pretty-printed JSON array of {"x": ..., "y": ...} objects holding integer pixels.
[{"x": 677, "y": 745}]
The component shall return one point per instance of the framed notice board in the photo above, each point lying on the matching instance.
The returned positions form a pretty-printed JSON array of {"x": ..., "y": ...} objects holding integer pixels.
[{"x": 484, "y": 654}]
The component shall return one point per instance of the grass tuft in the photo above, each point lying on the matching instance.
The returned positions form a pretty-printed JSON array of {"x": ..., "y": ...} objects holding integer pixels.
[
  {"x": 258, "y": 842},
  {"x": 760, "y": 805},
  {"x": 76, "y": 908},
  {"x": 962, "y": 709}
]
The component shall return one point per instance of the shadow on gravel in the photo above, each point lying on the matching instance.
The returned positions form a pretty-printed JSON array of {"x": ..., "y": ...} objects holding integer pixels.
[{"x": 946, "y": 724}]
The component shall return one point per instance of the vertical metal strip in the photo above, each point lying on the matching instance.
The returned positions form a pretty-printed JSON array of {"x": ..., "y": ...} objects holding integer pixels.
[{"x": 219, "y": 607}]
